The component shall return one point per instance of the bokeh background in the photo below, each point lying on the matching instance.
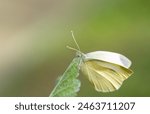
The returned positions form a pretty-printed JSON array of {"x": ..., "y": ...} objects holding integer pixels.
[{"x": 34, "y": 35}]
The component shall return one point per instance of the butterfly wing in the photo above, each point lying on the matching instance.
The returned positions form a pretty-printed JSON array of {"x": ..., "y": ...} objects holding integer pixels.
[
  {"x": 105, "y": 76},
  {"x": 111, "y": 57}
]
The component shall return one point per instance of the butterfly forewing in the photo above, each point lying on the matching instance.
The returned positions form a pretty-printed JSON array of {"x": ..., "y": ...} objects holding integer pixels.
[{"x": 110, "y": 57}]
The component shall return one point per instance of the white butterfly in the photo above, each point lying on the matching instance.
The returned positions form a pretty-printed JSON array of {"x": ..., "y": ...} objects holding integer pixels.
[{"x": 105, "y": 70}]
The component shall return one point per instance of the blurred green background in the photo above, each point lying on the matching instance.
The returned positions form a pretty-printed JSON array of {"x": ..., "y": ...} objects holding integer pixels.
[{"x": 34, "y": 35}]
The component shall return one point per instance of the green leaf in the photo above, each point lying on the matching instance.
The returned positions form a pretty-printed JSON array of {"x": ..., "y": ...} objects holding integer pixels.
[{"x": 68, "y": 85}]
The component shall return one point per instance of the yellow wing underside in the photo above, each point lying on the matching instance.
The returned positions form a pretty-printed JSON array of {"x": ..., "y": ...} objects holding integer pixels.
[{"x": 106, "y": 77}]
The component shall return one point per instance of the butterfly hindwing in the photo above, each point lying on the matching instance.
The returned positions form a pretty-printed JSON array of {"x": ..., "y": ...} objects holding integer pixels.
[{"x": 105, "y": 76}]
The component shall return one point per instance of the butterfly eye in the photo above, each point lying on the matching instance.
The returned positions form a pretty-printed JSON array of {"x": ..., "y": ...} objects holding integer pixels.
[{"x": 78, "y": 54}]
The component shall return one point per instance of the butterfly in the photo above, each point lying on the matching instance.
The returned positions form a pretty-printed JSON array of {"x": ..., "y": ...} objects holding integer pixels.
[{"x": 105, "y": 70}]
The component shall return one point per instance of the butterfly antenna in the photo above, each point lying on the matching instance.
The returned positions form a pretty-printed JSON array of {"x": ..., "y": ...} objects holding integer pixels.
[
  {"x": 75, "y": 40},
  {"x": 73, "y": 49}
]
